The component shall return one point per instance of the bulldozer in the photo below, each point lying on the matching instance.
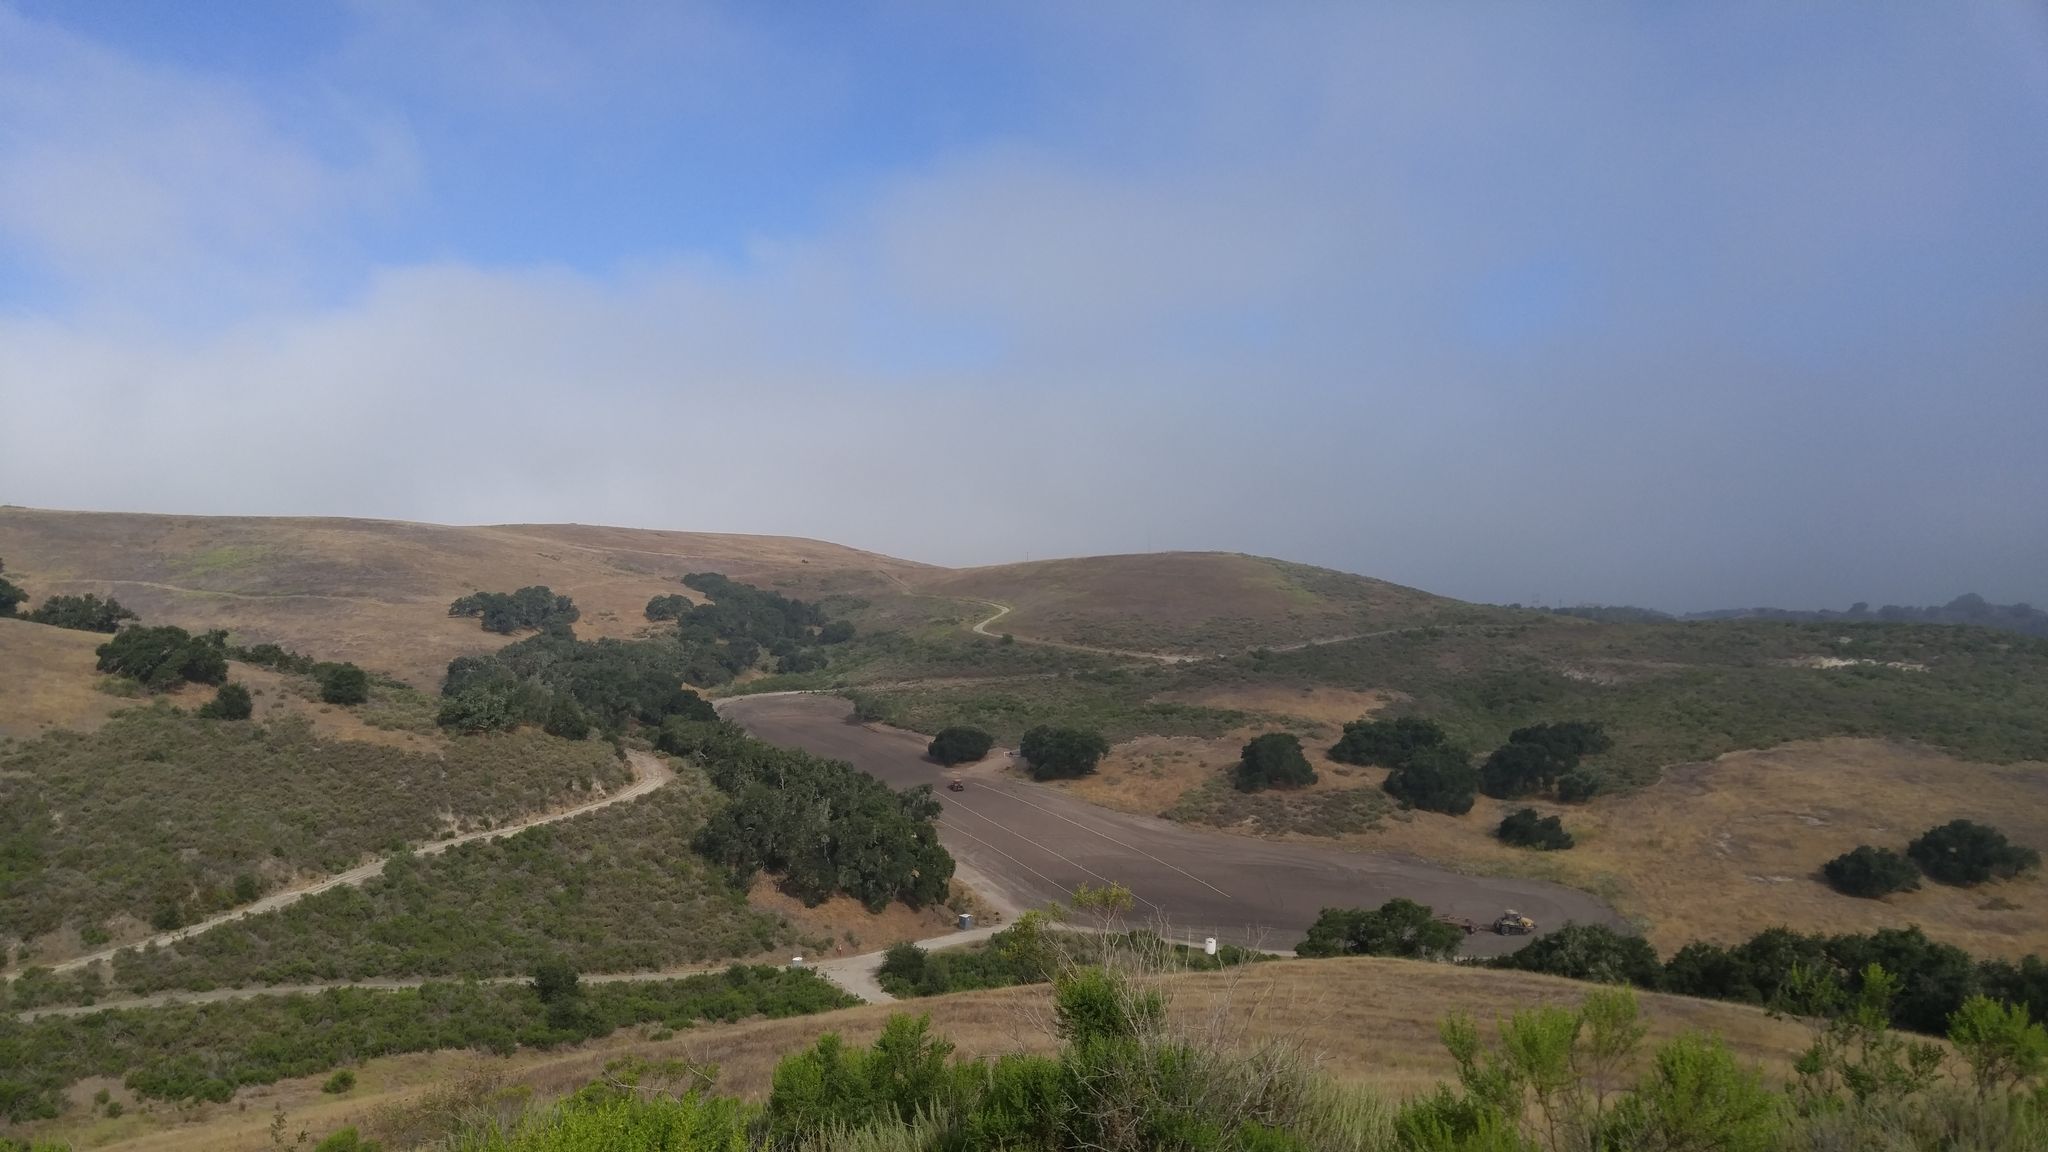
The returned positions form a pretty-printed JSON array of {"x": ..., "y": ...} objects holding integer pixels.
[{"x": 1513, "y": 923}]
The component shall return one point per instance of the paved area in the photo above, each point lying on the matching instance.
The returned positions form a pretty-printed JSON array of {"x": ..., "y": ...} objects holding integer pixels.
[{"x": 1033, "y": 845}]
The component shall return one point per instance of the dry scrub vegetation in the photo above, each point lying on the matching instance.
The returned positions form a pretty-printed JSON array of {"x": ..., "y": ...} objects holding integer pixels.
[
  {"x": 1372, "y": 1021},
  {"x": 615, "y": 890},
  {"x": 160, "y": 818}
]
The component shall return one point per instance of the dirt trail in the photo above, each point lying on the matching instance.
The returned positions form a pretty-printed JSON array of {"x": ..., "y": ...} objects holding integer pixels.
[
  {"x": 1002, "y": 610},
  {"x": 649, "y": 774}
]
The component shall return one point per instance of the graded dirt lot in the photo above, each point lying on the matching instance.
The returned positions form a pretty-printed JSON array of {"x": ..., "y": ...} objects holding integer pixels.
[
  {"x": 1035, "y": 845},
  {"x": 1366, "y": 1020}
]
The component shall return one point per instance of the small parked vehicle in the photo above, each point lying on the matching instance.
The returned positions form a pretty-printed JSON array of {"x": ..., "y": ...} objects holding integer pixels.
[{"x": 955, "y": 786}]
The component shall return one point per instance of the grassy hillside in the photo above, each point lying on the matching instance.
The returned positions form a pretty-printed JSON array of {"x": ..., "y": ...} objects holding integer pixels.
[
  {"x": 1192, "y": 603},
  {"x": 376, "y": 591},
  {"x": 159, "y": 818}
]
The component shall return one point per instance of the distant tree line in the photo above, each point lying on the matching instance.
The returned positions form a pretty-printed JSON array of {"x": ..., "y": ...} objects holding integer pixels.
[
  {"x": 533, "y": 608},
  {"x": 823, "y": 826},
  {"x": 741, "y": 621},
  {"x": 87, "y": 613},
  {"x": 1776, "y": 968},
  {"x": 1969, "y": 608}
]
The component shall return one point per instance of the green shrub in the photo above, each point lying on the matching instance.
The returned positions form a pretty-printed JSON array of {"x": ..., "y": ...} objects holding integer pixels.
[
  {"x": 1871, "y": 872},
  {"x": 1055, "y": 753},
  {"x": 162, "y": 657},
  {"x": 1525, "y": 829},
  {"x": 230, "y": 702},
  {"x": 1273, "y": 760},
  {"x": 87, "y": 613},
  {"x": 1386, "y": 743},
  {"x": 11, "y": 594},
  {"x": 1398, "y": 927},
  {"x": 535, "y": 607},
  {"x": 1436, "y": 778},
  {"x": 1589, "y": 952},
  {"x": 342, "y": 683},
  {"x": 1966, "y": 853},
  {"x": 960, "y": 744},
  {"x": 339, "y": 1083}
]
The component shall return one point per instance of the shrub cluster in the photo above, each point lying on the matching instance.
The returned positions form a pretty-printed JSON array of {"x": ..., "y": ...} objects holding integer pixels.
[
  {"x": 959, "y": 745},
  {"x": 1386, "y": 743},
  {"x": 166, "y": 656},
  {"x": 207, "y": 1051},
  {"x": 534, "y": 608},
  {"x": 1059, "y": 753},
  {"x": 1541, "y": 756},
  {"x": 1030, "y": 952},
  {"x": 1437, "y": 778},
  {"x": 569, "y": 685},
  {"x": 1871, "y": 872},
  {"x": 274, "y": 656},
  {"x": 823, "y": 825},
  {"x": 1526, "y": 829},
  {"x": 1962, "y": 852},
  {"x": 231, "y": 702},
  {"x": 342, "y": 683},
  {"x": 11, "y": 594},
  {"x": 1772, "y": 967},
  {"x": 87, "y": 613},
  {"x": 1396, "y": 928},
  {"x": 1273, "y": 760}
]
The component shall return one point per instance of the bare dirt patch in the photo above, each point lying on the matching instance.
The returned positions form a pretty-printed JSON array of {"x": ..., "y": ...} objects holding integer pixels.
[
  {"x": 1329, "y": 709},
  {"x": 850, "y": 928}
]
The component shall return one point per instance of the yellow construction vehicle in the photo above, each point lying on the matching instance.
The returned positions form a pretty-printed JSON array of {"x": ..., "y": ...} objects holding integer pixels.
[{"x": 1513, "y": 923}]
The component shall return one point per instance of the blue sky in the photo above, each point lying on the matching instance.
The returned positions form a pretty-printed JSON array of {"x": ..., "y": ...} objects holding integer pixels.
[{"x": 1679, "y": 305}]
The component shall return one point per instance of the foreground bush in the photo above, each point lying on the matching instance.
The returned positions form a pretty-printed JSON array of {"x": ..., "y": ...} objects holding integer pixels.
[{"x": 1871, "y": 872}]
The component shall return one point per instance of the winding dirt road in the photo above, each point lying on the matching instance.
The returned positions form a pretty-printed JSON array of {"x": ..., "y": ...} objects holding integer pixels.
[
  {"x": 1034, "y": 845},
  {"x": 649, "y": 773}
]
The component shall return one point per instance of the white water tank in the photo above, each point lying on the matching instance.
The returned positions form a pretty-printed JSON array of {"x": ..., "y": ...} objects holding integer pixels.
[
  {"x": 796, "y": 961},
  {"x": 1209, "y": 946}
]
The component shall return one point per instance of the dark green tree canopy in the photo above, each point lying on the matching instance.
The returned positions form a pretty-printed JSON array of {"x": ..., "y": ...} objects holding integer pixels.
[
  {"x": 1965, "y": 852},
  {"x": 1525, "y": 829},
  {"x": 1871, "y": 872},
  {"x": 1436, "y": 778},
  {"x": 1397, "y": 928},
  {"x": 342, "y": 683},
  {"x": 162, "y": 657},
  {"x": 1536, "y": 757},
  {"x": 960, "y": 745},
  {"x": 11, "y": 594},
  {"x": 87, "y": 613},
  {"x": 1054, "y": 753},
  {"x": 1386, "y": 743},
  {"x": 533, "y": 608},
  {"x": 1590, "y": 952},
  {"x": 231, "y": 702},
  {"x": 1273, "y": 760}
]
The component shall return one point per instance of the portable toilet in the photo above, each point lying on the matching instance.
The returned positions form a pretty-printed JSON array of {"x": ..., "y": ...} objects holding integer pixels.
[
  {"x": 966, "y": 921},
  {"x": 1209, "y": 946},
  {"x": 796, "y": 961}
]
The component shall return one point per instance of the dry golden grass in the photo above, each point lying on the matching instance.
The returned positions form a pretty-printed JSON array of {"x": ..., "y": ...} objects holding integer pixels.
[
  {"x": 376, "y": 591},
  {"x": 1724, "y": 849},
  {"x": 1329, "y": 709},
  {"x": 1371, "y": 1021},
  {"x": 47, "y": 678},
  {"x": 1194, "y": 603},
  {"x": 842, "y": 920}
]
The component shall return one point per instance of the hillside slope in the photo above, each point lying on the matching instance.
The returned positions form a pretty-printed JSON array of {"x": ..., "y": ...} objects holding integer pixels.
[
  {"x": 376, "y": 591},
  {"x": 1193, "y": 603}
]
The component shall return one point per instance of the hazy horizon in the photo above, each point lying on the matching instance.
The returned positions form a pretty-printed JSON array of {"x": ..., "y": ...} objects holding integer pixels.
[{"x": 1681, "y": 308}]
